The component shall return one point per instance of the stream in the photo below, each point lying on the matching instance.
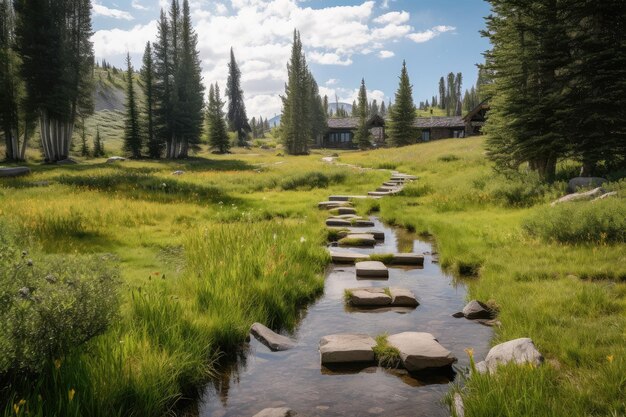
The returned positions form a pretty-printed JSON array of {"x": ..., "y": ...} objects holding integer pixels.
[{"x": 296, "y": 379}]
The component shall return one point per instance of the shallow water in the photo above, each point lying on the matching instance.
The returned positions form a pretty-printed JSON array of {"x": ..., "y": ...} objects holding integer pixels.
[{"x": 296, "y": 379}]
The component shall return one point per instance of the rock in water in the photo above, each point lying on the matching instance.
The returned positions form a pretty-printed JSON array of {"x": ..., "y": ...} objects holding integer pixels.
[
  {"x": 276, "y": 412},
  {"x": 584, "y": 182},
  {"x": 14, "y": 171},
  {"x": 401, "y": 297},
  {"x": 519, "y": 351},
  {"x": 420, "y": 351},
  {"x": 272, "y": 340},
  {"x": 373, "y": 269},
  {"x": 345, "y": 256},
  {"x": 477, "y": 310},
  {"x": 347, "y": 348},
  {"x": 369, "y": 297}
]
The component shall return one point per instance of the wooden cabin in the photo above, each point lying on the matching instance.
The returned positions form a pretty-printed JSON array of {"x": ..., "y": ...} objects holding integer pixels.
[
  {"x": 340, "y": 133},
  {"x": 433, "y": 128},
  {"x": 475, "y": 119}
]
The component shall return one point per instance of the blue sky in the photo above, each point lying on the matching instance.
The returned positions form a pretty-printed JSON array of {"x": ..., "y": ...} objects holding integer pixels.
[{"x": 343, "y": 40}]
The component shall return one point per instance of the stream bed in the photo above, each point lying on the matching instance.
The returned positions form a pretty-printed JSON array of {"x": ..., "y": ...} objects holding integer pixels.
[{"x": 296, "y": 379}]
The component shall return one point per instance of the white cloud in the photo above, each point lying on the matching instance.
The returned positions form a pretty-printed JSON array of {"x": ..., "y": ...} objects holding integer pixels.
[
  {"x": 386, "y": 54},
  {"x": 101, "y": 10},
  {"x": 393, "y": 17},
  {"x": 384, "y": 4},
  {"x": 425, "y": 36},
  {"x": 138, "y": 6},
  {"x": 261, "y": 31},
  {"x": 347, "y": 95},
  {"x": 331, "y": 81}
]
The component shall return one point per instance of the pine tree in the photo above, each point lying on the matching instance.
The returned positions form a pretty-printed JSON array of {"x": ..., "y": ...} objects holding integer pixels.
[
  {"x": 53, "y": 40},
  {"x": 98, "y": 145},
  {"x": 373, "y": 110},
  {"x": 442, "y": 93},
  {"x": 132, "y": 131},
  {"x": 237, "y": 118},
  {"x": 318, "y": 119},
  {"x": 163, "y": 88},
  {"x": 325, "y": 104},
  {"x": 217, "y": 134},
  {"x": 362, "y": 134},
  {"x": 147, "y": 77},
  {"x": 458, "y": 82},
  {"x": 84, "y": 147},
  {"x": 383, "y": 109},
  {"x": 402, "y": 114},
  {"x": 450, "y": 95},
  {"x": 355, "y": 109},
  {"x": 296, "y": 129}
]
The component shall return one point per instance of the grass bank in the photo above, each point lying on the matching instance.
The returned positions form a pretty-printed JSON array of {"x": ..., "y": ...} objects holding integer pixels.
[{"x": 557, "y": 274}]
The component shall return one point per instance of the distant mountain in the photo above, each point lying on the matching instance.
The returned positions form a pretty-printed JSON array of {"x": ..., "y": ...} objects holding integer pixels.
[{"x": 275, "y": 121}]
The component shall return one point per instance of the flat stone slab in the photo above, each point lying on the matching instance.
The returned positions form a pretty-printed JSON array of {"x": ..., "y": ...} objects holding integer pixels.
[
  {"x": 369, "y": 297},
  {"x": 347, "y": 257},
  {"x": 347, "y": 348},
  {"x": 338, "y": 222},
  {"x": 363, "y": 223},
  {"x": 14, "y": 172},
  {"x": 477, "y": 310},
  {"x": 347, "y": 217},
  {"x": 331, "y": 204},
  {"x": 343, "y": 210},
  {"x": 115, "y": 159},
  {"x": 358, "y": 239},
  {"x": 271, "y": 339},
  {"x": 389, "y": 189},
  {"x": 374, "y": 269},
  {"x": 402, "y": 297},
  {"x": 379, "y": 193},
  {"x": 408, "y": 259},
  {"x": 345, "y": 197},
  {"x": 275, "y": 412},
  {"x": 378, "y": 234},
  {"x": 519, "y": 351},
  {"x": 420, "y": 351},
  {"x": 582, "y": 196}
]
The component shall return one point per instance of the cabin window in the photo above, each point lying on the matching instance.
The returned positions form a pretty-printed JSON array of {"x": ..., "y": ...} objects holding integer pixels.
[{"x": 425, "y": 135}]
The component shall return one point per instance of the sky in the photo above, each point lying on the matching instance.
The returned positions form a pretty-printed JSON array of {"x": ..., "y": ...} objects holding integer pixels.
[{"x": 344, "y": 41}]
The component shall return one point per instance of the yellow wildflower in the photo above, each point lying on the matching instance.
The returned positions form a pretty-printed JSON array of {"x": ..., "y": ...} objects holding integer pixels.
[
  {"x": 57, "y": 363},
  {"x": 609, "y": 358},
  {"x": 470, "y": 352},
  {"x": 70, "y": 394}
]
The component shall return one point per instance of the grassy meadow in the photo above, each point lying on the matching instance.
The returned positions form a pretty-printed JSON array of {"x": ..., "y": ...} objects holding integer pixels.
[{"x": 238, "y": 238}]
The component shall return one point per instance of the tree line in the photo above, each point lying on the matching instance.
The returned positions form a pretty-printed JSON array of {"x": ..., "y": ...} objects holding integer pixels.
[{"x": 558, "y": 88}]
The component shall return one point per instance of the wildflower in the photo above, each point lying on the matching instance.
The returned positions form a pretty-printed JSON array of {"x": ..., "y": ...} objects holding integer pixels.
[
  {"x": 70, "y": 394},
  {"x": 609, "y": 358},
  {"x": 470, "y": 352},
  {"x": 57, "y": 363},
  {"x": 302, "y": 239},
  {"x": 275, "y": 236}
]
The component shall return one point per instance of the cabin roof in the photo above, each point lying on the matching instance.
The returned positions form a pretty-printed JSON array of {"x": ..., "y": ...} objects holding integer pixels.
[
  {"x": 431, "y": 122},
  {"x": 350, "y": 123}
]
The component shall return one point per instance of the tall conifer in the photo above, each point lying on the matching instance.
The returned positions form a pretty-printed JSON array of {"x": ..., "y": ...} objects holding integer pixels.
[
  {"x": 402, "y": 114},
  {"x": 132, "y": 131},
  {"x": 362, "y": 135},
  {"x": 237, "y": 118}
]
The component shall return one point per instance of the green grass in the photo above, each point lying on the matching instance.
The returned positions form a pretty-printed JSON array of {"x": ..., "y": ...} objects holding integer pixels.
[
  {"x": 387, "y": 356},
  {"x": 554, "y": 273}
]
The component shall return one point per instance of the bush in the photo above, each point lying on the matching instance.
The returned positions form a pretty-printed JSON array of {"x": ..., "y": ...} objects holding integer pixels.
[
  {"x": 521, "y": 190},
  {"x": 310, "y": 180},
  {"x": 601, "y": 221},
  {"x": 448, "y": 158},
  {"x": 50, "y": 305}
]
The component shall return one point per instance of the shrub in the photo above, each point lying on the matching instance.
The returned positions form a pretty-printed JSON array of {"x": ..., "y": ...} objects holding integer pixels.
[
  {"x": 521, "y": 190},
  {"x": 601, "y": 221},
  {"x": 387, "y": 165},
  {"x": 310, "y": 180},
  {"x": 50, "y": 305},
  {"x": 448, "y": 158}
]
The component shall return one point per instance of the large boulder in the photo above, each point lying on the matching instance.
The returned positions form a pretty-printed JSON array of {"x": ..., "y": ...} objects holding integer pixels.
[
  {"x": 402, "y": 297},
  {"x": 420, "y": 351},
  {"x": 518, "y": 351},
  {"x": 14, "y": 172},
  {"x": 584, "y": 182},
  {"x": 276, "y": 412},
  {"x": 272, "y": 340},
  {"x": 373, "y": 269},
  {"x": 347, "y": 348},
  {"x": 477, "y": 310},
  {"x": 587, "y": 195}
]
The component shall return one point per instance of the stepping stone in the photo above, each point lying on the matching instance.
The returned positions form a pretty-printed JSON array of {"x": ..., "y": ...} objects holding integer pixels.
[
  {"x": 408, "y": 259},
  {"x": 519, "y": 351},
  {"x": 389, "y": 189},
  {"x": 363, "y": 223},
  {"x": 345, "y": 197},
  {"x": 378, "y": 235},
  {"x": 343, "y": 210},
  {"x": 358, "y": 239},
  {"x": 347, "y": 217},
  {"x": 346, "y": 257},
  {"x": 347, "y": 348},
  {"x": 390, "y": 184},
  {"x": 338, "y": 222},
  {"x": 477, "y": 310},
  {"x": 272, "y": 340},
  {"x": 402, "y": 297},
  {"x": 369, "y": 297},
  {"x": 379, "y": 193},
  {"x": 373, "y": 269},
  {"x": 14, "y": 172},
  {"x": 276, "y": 412},
  {"x": 331, "y": 204},
  {"x": 420, "y": 351}
]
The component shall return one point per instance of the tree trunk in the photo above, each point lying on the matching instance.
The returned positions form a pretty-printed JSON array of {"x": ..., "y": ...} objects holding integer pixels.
[{"x": 56, "y": 136}]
